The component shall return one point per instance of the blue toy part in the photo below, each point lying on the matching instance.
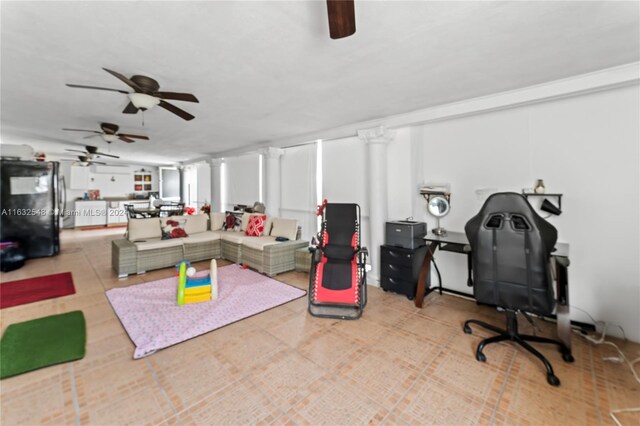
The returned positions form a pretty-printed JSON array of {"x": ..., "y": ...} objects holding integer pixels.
[{"x": 198, "y": 282}]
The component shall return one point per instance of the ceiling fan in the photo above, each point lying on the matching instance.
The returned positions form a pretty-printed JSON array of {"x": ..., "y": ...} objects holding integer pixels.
[
  {"x": 146, "y": 95},
  {"x": 84, "y": 161},
  {"x": 342, "y": 18},
  {"x": 110, "y": 133},
  {"x": 91, "y": 151}
]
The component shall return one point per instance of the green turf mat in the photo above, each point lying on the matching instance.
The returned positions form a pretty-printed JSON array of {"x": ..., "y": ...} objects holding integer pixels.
[{"x": 42, "y": 342}]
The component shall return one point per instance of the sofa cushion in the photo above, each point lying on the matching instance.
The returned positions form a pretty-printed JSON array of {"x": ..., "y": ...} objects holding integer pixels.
[
  {"x": 259, "y": 243},
  {"x": 284, "y": 228},
  {"x": 255, "y": 227},
  {"x": 201, "y": 237},
  {"x": 157, "y": 243},
  {"x": 234, "y": 237},
  {"x": 244, "y": 221},
  {"x": 267, "y": 226},
  {"x": 144, "y": 229},
  {"x": 217, "y": 220},
  {"x": 196, "y": 223}
]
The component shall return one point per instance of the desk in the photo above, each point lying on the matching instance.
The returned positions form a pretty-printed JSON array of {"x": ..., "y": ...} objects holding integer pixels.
[{"x": 457, "y": 242}]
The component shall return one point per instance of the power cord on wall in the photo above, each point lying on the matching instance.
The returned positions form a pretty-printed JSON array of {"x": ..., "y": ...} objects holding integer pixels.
[{"x": 621, "y": 358}]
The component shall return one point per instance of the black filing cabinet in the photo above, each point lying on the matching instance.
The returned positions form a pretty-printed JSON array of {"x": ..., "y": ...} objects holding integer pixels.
[{"x": 399, "y": 269}]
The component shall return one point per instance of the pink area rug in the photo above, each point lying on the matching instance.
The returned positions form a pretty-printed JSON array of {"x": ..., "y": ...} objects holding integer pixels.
[{"x": 154, "y": 321}]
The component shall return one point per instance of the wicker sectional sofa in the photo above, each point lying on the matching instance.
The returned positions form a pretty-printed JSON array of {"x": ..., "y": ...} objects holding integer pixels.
[{"x": 143, "y": 248}]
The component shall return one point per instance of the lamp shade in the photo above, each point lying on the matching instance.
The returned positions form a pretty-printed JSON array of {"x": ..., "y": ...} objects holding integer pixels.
[
  {"x": 143, "y": 101},
  {"x": 549, "y": 207}
]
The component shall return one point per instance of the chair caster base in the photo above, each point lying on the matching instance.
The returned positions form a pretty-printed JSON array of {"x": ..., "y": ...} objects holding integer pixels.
[
  {"x": 480, "y": 357},
  {"x": 410, "y": 297},
  {"x": 553, "y": 380},
  {"x": 466, "y": 329},
  {"x": 568, "y": 358}
]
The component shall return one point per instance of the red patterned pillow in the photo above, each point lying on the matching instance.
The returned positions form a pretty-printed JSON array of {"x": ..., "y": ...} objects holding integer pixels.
[{"x": 255, "y": 225}]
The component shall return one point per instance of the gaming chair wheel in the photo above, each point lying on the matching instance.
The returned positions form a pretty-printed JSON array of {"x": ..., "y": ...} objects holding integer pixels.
[
  {"x": 553, "y": 380},
  {"x": 567, "y": 357},
  {"x": 480, "y": 357},
  {"x": 467, "y": 329},
  {"x": 410, "y": 297}
]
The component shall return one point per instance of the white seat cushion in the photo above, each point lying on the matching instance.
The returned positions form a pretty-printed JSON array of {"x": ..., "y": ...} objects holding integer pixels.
[
  {"x": 144, "y": 229},
  {"x": 284, "y": 228},
  {"x": 196, "y": 223},
  {"x": 217, "y": 220},
  {"x": 157, "y": 243},
  {"x": 201, "y": 237},
  {"x": 234, "y": 237},
  {"x": 258, "y": 243}
]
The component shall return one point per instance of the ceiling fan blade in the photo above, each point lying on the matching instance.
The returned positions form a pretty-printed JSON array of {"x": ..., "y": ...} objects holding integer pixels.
[
  {"x": 342, "y": 18},
  {"x": 82, "y": 130},
  {"x": 177, "y": 111},
  {"x": 75, "y": 150},
  {"x": 126, "y": 135},
  {"x": 80, "y": 86},
  {"x": 130, "y": 109},
  {"x": 102, "y": 154},
  {"x": 187, "y": 97},
  {"x": 125, "y": 139},
  {"x": 125, "y": 80},
  {"x": 92, "y": 136}
]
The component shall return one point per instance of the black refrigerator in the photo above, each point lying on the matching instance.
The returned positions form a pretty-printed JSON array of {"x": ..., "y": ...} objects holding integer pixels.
[{"x": 31, "y": 205}]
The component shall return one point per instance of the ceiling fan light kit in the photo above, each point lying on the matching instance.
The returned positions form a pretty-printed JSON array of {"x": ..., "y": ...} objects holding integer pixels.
[{"x": 143, "y": 101}]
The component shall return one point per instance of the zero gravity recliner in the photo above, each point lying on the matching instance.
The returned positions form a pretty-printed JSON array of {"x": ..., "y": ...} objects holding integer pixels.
[{"x": 337, "y": 281}]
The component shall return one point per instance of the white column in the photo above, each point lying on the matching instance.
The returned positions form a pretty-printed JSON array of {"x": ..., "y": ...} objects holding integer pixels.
[
  {"x": 271, "y": 183},
  {"x": 216, "y": 184},
  {"x": 376, "y": 140}
]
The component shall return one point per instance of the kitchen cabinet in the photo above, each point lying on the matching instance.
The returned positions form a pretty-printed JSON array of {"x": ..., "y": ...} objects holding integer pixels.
[
  {"x": 90, "y": 213},
  {"x": 79, "y": 177}
]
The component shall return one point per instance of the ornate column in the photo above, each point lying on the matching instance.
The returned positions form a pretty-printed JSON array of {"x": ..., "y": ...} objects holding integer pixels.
[
  {"x": 376, "y": 140},
  {"x": 271, "y": 179},
  {"x": 216, "y": 184}
]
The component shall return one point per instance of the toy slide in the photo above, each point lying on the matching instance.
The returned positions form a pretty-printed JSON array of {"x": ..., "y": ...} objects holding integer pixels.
[{"x": 194, "y": 290}]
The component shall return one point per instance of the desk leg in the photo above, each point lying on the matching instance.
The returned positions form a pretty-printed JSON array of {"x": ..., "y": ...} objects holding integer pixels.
[
  {"x": 562, "y": 309},
  {"x": 425, "y": 269}
]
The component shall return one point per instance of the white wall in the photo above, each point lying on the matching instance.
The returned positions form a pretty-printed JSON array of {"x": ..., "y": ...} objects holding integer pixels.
[
  {"x": 586, "y": 147},
  {"x": 122, "y": 185},
  {"x": 204, "y": 184}
]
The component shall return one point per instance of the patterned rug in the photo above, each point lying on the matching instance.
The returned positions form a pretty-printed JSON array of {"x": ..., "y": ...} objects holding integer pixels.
[{"x": 154, "y": 321}]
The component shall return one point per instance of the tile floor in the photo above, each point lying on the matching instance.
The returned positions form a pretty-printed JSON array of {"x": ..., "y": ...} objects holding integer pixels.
[{"x": 396, "y": 365}]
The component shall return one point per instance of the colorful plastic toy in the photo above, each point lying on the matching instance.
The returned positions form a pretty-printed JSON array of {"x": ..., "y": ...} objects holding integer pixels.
[{"x": 194, "y": 290}]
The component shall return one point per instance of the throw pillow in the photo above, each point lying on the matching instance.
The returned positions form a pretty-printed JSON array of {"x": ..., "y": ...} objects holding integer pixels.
[
  {"x": 230, "y": 222},
  {"x": 174, "y": 229},
  {"x": 255, "y": 225},
  {"x": 217, "y": 220}
]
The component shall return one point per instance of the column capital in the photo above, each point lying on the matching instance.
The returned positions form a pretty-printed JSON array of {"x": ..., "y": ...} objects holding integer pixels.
[
  {"x": 376, "y": 135},
  {"x": 216, "y": 161},
  {"x": 272, "y": 152}
]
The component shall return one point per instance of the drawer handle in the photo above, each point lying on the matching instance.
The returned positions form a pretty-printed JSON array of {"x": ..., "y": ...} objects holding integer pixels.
[
  {"x": 393, "y": 268},
  {"x": 392, "y": 281},
  {"x": 393, "y": 253}
]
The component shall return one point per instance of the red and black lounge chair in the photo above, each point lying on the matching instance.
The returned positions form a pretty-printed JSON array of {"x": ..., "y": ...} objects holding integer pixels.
[{"x": 337, "y": 287}]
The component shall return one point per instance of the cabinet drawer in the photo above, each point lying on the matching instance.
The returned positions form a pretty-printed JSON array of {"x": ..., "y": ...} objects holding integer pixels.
[
  {"x": 396, "y": 256},
  {"x": 395, "y": 270},
  {"x": 408, "y": 288}
]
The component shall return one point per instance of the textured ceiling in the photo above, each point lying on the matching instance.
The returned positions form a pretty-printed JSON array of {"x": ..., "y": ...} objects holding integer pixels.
[{"x": 265, "y": 71}]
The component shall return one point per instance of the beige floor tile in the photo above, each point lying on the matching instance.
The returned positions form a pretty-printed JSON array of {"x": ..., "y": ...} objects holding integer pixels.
[
  {"x": 286, "y": 380},
  {"x": 239, "y": 404},
  {"x": 336, "y": 402},
  {"x": 396, "y": 365}
]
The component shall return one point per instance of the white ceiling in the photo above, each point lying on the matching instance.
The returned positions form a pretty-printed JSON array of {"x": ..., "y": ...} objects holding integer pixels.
[{"x": 265, "y": 71}]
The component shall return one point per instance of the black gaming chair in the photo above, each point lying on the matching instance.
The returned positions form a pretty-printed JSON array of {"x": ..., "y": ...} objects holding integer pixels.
[
  {"x": 337, "y": 281},
  {"x": 511, "y": 247}
]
